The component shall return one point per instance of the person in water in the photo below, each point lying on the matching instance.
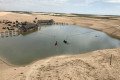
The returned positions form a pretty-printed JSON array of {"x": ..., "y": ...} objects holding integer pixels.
[
  {"x": 56, "y": 43},
  {"x": 65, "y": 42}
]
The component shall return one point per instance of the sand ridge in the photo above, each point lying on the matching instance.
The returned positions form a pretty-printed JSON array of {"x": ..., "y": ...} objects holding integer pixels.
[
  {"x": 4, "y": 13},
  {"x": 90, "y": 66}
]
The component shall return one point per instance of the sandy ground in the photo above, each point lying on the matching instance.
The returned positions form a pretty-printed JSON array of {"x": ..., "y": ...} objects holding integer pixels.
[{"x": 90, "y": 66}]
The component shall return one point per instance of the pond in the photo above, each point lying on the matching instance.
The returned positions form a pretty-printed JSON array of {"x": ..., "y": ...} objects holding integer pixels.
[{"x": 53, "y": 40}]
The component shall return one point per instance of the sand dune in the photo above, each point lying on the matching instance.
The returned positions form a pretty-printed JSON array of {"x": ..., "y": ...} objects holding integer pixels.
[
  {"x": 4, "y": 13},
  {"x": 89, "y": 66}
]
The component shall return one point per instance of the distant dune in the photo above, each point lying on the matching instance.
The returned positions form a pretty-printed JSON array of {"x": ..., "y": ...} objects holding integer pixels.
[
  {"x": 4, "y": 13},
  {"x": 107, "y": 24}
]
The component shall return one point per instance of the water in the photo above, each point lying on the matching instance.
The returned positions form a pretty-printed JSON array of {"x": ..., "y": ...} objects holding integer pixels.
[{"x": 23, "y": 49}]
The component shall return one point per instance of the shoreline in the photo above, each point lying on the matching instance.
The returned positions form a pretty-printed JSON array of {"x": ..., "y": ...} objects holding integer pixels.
[
  {"x": 10, "y": 65},
  {"x": 7, "y": 63},
  {"x": 89, "y": 65},
  {"x": 3, "y": 60}
]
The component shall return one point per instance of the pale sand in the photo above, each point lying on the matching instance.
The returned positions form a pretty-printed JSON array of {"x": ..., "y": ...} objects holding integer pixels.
[
  {"x": 4, "y": 13},
  {"x": 90, "y": 66}
]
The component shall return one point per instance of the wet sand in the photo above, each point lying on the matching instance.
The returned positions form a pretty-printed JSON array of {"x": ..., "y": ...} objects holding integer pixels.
[{"x": 89, "y": 66}]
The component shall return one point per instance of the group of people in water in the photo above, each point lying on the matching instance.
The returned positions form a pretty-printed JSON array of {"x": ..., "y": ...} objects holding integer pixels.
[{"x": 64, "y": 41}]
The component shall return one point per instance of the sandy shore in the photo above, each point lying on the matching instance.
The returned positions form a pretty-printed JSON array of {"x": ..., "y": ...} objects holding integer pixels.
[{"x": 90, "y": 66}]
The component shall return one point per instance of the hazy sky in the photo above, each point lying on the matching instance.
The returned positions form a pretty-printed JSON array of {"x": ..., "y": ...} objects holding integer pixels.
[{"x": 111, "y": 7}]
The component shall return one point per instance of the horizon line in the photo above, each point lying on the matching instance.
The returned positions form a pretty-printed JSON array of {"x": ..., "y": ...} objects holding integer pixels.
[{"x": 94, "y": 14}]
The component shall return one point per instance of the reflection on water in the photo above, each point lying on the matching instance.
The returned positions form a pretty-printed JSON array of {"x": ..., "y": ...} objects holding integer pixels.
[
  {"x": 24, "y": 49},
  {"x": 13, "y": 33},
  {"x": 8, "y": 34}
]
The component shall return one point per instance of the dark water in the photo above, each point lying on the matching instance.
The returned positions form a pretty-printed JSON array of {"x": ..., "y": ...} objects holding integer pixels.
[{"x": 24, "y": 49}]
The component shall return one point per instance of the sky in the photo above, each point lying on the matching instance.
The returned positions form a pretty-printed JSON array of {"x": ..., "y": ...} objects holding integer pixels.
[{"x": 103, "y": 7}]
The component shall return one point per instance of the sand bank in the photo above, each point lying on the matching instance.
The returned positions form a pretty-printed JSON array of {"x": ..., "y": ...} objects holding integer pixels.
[{"x": 90, "y": 66}]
